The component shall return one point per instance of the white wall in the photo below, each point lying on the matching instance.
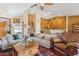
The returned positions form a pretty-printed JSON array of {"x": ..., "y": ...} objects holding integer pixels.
[
  {"x": 37, "y": 23},
  {"x": 25, "y": 19}
]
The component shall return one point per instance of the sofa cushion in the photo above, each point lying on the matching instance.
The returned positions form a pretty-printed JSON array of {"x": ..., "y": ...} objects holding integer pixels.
[
  {"x": 60, "y": 45},
  {"x": 72, "y": 50},
  {"x": 15, "y": 36},
  {"x": 9, "y": 38},
  {"x": 60, "y": 52},
  {"x": 57, "y": 40},
  {"x": 4, "y": 44},
  {"x": 47, "y": 38},
  {"x": 71, "y": 37},
  {"x": 45, "y": 43},
  {"x": 35, "y": 39},
  {"x": 39, "y": 35},
  {"x": 72, "y": 44},
  {"x": 63, "y": 39},
  {"x": 14, "y": 41}
]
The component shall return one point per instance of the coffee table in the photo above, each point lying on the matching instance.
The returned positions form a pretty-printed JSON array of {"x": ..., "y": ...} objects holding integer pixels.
[{"x": 30, "y": 49}]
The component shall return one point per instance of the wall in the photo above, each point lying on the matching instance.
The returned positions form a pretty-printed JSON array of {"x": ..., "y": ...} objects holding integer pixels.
[{"x": 37, "y": 23}]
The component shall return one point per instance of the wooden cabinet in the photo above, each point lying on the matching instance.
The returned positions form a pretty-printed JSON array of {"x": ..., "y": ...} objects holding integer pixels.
[
  {"x": 2, "y": 28},
  {"x": 75, "y": 27},
  {"x": 72, "y": 20}
]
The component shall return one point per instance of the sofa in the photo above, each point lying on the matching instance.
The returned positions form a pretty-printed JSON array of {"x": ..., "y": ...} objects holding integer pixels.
[
  {"x": 66, "y": 44},
  {"x": 42, "y": 39},
  {"x": 7, "y": 41},
  {"x": 42, "y": 42}
]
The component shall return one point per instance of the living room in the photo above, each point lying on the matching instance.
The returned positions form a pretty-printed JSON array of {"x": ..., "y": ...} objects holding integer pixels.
[{"x": 39, "y": 29}]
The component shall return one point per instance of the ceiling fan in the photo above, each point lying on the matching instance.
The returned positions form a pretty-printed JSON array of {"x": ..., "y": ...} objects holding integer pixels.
[{"x": 42, "y": 5}]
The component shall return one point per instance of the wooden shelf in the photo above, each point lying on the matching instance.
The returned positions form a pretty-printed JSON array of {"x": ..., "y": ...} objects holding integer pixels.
[{"x": 75, "y": 27}]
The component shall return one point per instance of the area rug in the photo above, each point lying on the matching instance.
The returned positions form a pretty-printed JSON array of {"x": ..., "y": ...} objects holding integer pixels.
[
  {"x": 45, "y": 52},
  {"x": 41, "y": 52},
  {"x": 6, "y": 52}
]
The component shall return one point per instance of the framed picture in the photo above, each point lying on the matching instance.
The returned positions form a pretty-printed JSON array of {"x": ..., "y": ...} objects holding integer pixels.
[{"x": 16, "y": 20}]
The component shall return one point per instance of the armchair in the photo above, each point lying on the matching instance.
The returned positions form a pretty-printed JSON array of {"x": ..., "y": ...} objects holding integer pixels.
[{"x": 62, "y": 48}]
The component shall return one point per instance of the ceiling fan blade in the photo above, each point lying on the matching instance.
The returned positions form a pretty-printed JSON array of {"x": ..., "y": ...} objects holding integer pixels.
[{"x": 34, "y": 5}]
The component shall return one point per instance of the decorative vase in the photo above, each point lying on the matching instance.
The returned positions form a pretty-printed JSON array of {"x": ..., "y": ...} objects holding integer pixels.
[{"x": 25, "y": 40}]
